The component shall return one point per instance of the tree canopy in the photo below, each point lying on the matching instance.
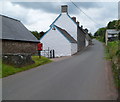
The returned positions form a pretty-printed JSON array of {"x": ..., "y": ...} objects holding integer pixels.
[
  {"x": 37, "y": 34},
  {"x": 115, "y": 24}
]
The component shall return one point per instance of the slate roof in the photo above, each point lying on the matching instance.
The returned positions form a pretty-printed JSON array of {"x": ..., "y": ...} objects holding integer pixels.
[
  {"x": 66, "y": 34},
  {"x": 112, "y": 31},
  {"x": 13, "y": 29}
]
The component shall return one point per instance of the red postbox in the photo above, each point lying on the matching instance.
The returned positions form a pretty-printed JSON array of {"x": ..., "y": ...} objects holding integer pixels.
[{"x": 40, "y": 47}]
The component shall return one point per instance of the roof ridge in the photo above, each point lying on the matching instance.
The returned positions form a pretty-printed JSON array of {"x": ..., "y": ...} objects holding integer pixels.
[
  {"x": 9, "y": 17},
  {"x": 69, "y": 37}
]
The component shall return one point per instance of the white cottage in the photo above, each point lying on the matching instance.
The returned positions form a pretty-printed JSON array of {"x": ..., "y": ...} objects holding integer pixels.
[{"x": 63, "y": 37}]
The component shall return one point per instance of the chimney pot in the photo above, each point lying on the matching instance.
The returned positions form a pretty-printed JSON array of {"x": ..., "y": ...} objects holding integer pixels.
[
  {"x": 77, "y": 23},
  {"x": 86, "y": 30},
  {"x": 64, "y": 8},
  {"x": 74, "y": 19},
  {"x": 82, "y": 26}
]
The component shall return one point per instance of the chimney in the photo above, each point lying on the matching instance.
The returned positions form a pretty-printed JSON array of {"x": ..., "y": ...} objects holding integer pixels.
[
  {"x": 86, "y": 30},
  {"x": 74, "y": 19},
  {"x": 77, "y": 23},
  {"x": 82, "y": 26},
  {"x": 64, "y": 8}
]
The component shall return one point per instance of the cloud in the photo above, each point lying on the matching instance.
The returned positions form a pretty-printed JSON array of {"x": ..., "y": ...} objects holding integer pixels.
[
  {"x": 0, "y": 7},
  {"x": 32, "y": 19},
  {"x": 119, "y": 10},
  {"x": 38, "y": 16},
  {"x": 46, "y": 7},
  {"x": 54, "y": 7}
]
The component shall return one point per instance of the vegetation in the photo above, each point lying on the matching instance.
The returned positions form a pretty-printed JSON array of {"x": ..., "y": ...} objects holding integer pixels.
[
  {"x": 113, "y": 54},
  {"x": 38, "y": 35},
  {"x": 114, "y": 24},
  {"x": 9, "y": 70},
  {"x": 91, "y": 36},
  {"x": 100, "y": 33},
  {"x": 0, "y": 68},
  {"x": 112, "y": 49}
]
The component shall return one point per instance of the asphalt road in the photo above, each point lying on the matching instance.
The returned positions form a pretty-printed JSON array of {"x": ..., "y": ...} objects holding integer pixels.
[{"x": 81, "y": 77}]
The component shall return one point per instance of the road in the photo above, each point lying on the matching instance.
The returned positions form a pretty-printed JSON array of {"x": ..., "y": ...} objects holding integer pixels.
[{"x": 80, "y": 77}]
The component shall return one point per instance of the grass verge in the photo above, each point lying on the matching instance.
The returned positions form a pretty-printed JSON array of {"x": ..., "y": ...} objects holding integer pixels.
[
  {"x": 113, "y": 54},
  {"x": 9, "y": 70}
]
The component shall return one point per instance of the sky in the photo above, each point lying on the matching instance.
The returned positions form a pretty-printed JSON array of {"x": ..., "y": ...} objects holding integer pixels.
[{"x": 38, "y": 16}]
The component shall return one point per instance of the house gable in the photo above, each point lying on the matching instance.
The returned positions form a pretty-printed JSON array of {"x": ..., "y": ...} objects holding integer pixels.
[
  {"x": 60, "y": 16},
  {"x": 54, "y": 39},
  {"x": 66, "y": 22},
  {"x": 63, "y": 32}
]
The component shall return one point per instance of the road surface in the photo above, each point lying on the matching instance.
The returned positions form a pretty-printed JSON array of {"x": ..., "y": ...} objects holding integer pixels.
[{"x": 80, "y": 77}]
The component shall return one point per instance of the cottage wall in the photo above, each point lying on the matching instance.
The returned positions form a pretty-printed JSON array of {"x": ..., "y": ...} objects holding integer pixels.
[
  {"x": 80, "y": 39},
  {"x": 73, "y": 48},
  {"x": 9, "y": 46},
  {"x": 54, "y": 40},
  {"x": 86, "y": 42}
]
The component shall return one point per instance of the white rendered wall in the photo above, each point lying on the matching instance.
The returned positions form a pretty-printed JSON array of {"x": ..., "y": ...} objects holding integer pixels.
[
  {"x": 86, "y": 43},
  {"x": 55, "y": 40},
  {"x": 66, "y": 23},
  {"x": 73, "y": 48}
]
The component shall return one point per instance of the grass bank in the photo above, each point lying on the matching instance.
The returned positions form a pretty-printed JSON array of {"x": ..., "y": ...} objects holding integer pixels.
[
  {"x": 9, "y": 70},
  {"x": 113, "y": 54}
]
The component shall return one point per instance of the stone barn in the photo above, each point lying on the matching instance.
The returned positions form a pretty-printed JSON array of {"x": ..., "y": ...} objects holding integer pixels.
[
  {"x": 16, "y": 38},
  {"x": 18, "y": 43}
]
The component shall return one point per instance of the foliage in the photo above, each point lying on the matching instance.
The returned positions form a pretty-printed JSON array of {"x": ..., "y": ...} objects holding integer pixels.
[
  {"x": 38, "y": 35},
  {"x": 100, "y": 34},
  {"x": 117, "y": 25},
  {"x": 118, "y": 53},
  {"x": 91, "y": 36},
  {"x": 113, "y": 53},
  {"x": 114, "y": 24},
  {"x": 111, "y": 25},
  {"x": 0, "y": 68},
  {"x": 112, "y": 49},
  {"x": 9, "y": 70}
]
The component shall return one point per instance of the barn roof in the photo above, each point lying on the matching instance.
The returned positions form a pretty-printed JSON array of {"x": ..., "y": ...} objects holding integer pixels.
[
  {"x": 66, "y": 34},
  {"x": 13, "y": 29}
]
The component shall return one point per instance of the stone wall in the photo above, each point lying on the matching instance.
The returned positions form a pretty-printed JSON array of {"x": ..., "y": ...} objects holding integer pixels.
[
  {"x": 17, "y": 60},
  {"x": 9, "y": 46}
]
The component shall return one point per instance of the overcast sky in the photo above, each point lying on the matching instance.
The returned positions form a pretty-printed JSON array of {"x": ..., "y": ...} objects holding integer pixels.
[{"x": 37, "y": 16}]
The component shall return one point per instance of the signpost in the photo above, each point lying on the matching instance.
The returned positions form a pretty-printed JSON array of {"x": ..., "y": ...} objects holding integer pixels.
[{"x": 39, "y": 48}]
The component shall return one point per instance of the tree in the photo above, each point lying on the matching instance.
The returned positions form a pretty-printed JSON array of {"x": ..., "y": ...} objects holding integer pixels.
[
  {"x": 101, "y": 33},
  {"x": 117, "y": 24},
  {"x": 38, "y": 35},
  {"x": 41, "y": 33},
  {"x": 111, "y": 24}
]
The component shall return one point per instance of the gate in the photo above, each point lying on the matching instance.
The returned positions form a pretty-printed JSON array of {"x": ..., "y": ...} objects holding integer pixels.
[{"x": 48, "y": 53}]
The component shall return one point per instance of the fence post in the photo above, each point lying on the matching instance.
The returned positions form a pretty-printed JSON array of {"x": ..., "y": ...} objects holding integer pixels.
[
  {"x": 48, "y": 52},
  {"x": 53, "y": 53},
  {"x": 44, "y": 53}
]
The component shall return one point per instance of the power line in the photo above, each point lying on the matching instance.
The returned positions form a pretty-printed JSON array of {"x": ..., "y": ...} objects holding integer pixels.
[{"x": 83, "y": 12}]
